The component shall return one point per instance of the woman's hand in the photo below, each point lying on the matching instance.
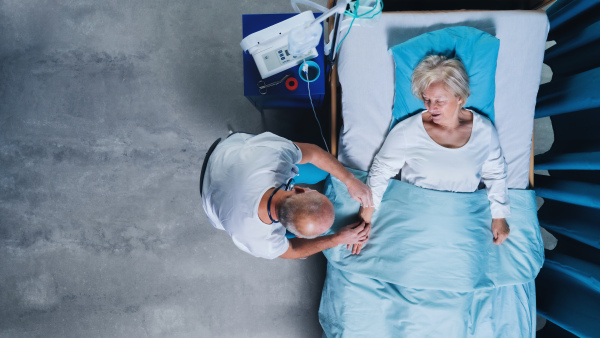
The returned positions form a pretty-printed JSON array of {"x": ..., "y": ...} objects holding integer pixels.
[
  {"x": 360, "y": 192},
  {"x": 500, "y": 230}
]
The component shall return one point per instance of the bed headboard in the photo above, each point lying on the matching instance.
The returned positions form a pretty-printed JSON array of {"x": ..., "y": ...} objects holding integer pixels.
[{"x": 443, "y": 5}]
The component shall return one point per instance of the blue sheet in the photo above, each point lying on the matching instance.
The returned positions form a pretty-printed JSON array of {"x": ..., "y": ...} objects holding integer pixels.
[{"x": 431, "y": 269}]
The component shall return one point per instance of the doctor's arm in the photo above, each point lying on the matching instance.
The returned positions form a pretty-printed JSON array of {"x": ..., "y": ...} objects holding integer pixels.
[
  {"x": 325, "y": 161},
  {"x": 355, "y": 233}
]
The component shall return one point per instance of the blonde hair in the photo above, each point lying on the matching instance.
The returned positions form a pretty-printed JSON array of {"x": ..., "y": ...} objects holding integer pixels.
[{"x": 435, "y": 68}]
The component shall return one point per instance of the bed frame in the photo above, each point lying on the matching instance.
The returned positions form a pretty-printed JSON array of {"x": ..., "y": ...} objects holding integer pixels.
[{"x": 423, "y": 5}]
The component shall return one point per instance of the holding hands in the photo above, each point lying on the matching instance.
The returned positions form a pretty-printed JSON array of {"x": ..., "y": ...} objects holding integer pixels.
[
  {"x": 361, "y": 193},
  {"x": 365, "y": 214},
  {"x": 353, "y": 234}
]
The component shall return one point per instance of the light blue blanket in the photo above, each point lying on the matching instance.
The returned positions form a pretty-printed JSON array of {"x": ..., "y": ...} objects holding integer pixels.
[
  {"x": 431, "y": 260},
  {"x": 354, "y": 306}
]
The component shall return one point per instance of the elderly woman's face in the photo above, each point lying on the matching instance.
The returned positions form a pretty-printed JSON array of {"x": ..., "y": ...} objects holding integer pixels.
[{"x": 441, "y": 103}]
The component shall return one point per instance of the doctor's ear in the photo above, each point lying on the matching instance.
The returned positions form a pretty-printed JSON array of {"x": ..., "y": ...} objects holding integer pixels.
[{"x": 299, "y": 190}]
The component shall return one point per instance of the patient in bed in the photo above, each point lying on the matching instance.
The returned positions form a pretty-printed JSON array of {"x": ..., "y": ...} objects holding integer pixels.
[{"x": 445, "y": 147}]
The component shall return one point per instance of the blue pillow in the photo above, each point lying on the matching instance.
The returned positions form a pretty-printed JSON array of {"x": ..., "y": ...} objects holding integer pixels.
[{"x": 477, "y": 50}]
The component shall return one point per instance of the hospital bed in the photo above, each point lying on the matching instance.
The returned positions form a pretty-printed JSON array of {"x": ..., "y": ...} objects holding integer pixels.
[{"x": 362, "y": 87}]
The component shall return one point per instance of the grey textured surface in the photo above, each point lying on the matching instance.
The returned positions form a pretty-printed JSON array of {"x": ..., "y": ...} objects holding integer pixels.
[{"x": 106, "y": 111}]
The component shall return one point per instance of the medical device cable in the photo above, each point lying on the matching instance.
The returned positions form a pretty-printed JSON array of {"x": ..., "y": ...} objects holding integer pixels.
[
  {"x": 305, "y": 69},
  {"x": 367, "y": 12},
  {"x": 344, "y": 38},
  {"x": 360, "y": 16},
  {"x": 331, "y": 57}
]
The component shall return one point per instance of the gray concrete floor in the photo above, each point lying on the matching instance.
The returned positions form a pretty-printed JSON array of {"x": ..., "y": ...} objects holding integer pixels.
[{"x": 106, "y": 111}]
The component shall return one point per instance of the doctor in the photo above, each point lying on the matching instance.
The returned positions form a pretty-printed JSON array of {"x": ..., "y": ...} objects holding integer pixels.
[{"x": 247, "y": 190}]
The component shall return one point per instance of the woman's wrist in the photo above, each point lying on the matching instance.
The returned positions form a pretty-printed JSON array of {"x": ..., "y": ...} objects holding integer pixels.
[{"x": 366, "y": 213}]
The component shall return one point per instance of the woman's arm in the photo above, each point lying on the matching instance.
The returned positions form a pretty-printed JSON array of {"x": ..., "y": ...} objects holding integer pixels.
[
  {"x": 493, "y": 174},
  {"x": 386, "y": 164}
]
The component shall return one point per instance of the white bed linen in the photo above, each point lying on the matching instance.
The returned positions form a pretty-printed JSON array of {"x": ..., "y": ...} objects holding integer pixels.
[{"x": 366, "y": 73}]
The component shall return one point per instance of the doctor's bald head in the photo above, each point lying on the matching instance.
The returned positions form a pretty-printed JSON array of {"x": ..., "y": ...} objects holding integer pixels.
[{"x": 307, "y": 213}]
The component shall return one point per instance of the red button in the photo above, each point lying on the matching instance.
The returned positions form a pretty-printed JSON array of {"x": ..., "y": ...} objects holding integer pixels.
[{"x": 291, "y": 83}]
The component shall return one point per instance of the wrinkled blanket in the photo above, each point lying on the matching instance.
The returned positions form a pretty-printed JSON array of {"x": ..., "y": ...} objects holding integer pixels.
[{"x": 430, "y": 267}]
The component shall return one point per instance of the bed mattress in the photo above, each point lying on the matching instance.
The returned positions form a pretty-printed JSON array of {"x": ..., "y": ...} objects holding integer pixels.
[{"x": 366, "y": 74}]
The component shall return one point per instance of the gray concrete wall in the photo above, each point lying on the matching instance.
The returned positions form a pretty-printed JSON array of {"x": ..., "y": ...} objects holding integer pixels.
[{"x": 106, "y": 111}]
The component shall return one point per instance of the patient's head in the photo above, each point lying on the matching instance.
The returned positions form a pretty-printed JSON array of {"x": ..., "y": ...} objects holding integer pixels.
[
  {"x": 439, "y": 69},
  {"x": 306, "y": 213}
]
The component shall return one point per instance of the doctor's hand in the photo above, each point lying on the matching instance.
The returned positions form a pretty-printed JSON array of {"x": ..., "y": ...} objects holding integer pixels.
[
  {"x": 357, "y": 248},
  {"x": 500, "y": 230},
  {"x": 355, "y": 233},
  {"x": 360, "y": 192},
  {"x": 365, "y": 214}
]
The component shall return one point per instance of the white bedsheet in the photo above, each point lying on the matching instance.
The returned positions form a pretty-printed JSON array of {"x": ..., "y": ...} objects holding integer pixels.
[{"x": 366, "y": 73}]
